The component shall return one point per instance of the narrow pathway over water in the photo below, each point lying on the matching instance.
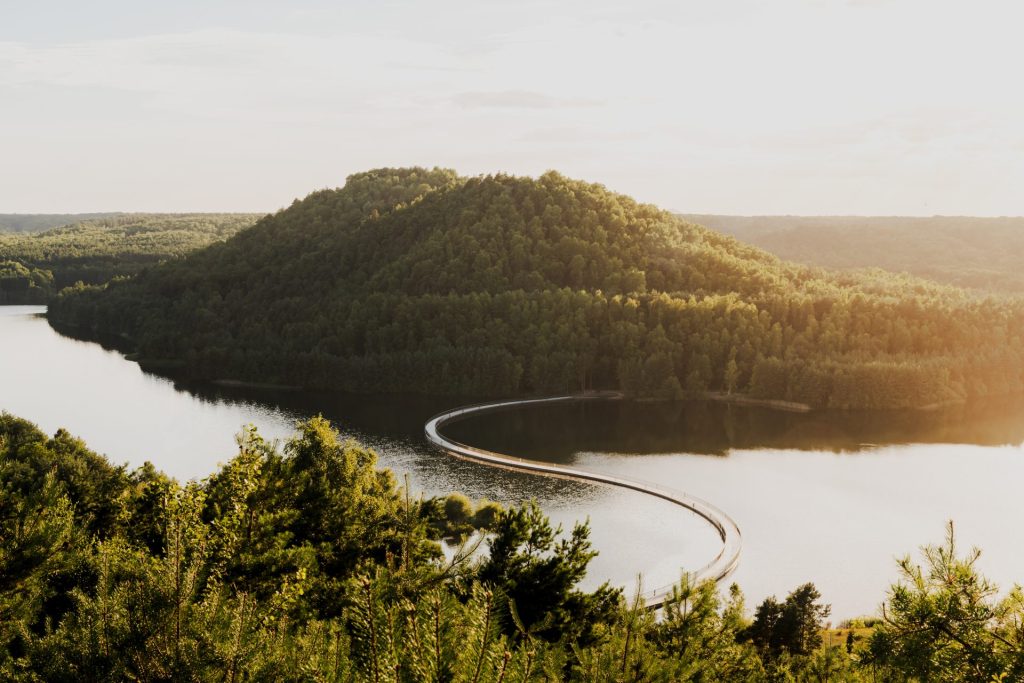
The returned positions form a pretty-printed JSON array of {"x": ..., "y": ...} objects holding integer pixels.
[{"x": 717, "y": 569}]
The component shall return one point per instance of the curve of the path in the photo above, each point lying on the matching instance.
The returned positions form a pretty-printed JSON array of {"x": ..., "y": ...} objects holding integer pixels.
[{"x": 720, "y": 567}]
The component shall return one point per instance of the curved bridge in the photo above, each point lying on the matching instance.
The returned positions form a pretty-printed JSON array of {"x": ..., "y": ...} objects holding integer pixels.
[{"x": 721, "y": 566}]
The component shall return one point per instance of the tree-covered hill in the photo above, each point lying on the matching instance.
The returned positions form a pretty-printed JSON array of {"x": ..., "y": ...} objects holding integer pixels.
[
  {"x": 979, "y": 253},
  {"x": 420, "y": 280},
  {"x": 34, "y": 267}
]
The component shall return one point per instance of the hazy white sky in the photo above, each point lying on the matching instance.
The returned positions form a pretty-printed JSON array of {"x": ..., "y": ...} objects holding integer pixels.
[{"x": 717, "y": 106}]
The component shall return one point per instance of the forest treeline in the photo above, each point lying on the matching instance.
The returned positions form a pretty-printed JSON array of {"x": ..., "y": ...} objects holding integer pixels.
[
  {"x": 34, "y": 267},
  {"x": 307, "y": 563},
  {"x": 965, "y": 251},
  {"x": 421, "y": 280},
  {"x": 38, "y": 222}
]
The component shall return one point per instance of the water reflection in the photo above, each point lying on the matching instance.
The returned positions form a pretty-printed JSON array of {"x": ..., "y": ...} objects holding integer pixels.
[{"x": 558, "y": 432}]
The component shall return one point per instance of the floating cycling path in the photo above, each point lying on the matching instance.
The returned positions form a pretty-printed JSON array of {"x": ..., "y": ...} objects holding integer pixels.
[{"x": 717, "y": 569}]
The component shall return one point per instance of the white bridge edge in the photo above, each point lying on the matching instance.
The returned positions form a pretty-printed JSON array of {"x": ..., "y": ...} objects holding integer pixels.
[{"x": 718, "y": 569}]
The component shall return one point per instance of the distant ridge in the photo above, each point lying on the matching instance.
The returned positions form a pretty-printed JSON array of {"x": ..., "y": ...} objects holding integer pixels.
[
  {"x": 965, "y": 251},
  {"x": 38, "y": 222}
]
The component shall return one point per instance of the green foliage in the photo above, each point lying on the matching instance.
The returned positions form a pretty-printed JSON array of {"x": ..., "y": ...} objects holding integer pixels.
[
  {"x": 945, "y": 622},
  {"x": 22, "y": 285},
  {"x": 454, "y": 517},
  {"x": 306, "y": 564},
  {"x": 420, "y": 280},
  {"x": 626, "y": 652},
  {"x": 35, "y": 531},
  {"x": 34, "y": 267},
  {"x": 458, "y": 509},
  {"x": 309, "y": 564},
  {"x": 704, "y": 634},
  {"x": 537, "y": 571},
  {"x": 437, "y": 638},
  {"x": 90, "y": 483},
  {"x": 792, "y": 627},
  {"x": 487, "y": 515}
]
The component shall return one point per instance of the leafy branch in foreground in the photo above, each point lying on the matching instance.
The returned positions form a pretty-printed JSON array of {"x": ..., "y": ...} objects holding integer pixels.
[{"x": 945, "y": 621}]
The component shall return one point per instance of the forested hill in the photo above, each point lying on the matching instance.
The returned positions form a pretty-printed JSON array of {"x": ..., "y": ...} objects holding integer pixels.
[
  {"x": 420, "y": 280},
  {"x": 979, "y": 253},
  {"x": 34, "y": 267}
]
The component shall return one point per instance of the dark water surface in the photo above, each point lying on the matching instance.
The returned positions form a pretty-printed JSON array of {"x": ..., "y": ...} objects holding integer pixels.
[{"x": 827, "y": 497}]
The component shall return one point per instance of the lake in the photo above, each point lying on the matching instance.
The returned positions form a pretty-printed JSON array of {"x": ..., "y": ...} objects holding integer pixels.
[{"x": 826, "y": 497}]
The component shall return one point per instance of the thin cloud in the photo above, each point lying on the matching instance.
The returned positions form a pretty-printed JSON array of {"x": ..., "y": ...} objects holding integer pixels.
[{"x": 520, "y": 99}]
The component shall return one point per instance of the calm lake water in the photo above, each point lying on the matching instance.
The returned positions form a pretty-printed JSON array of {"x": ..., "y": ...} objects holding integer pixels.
[{"x": 832, "y": 498}]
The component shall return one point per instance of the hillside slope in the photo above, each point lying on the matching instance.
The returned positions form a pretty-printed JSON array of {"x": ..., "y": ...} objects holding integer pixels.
[
  {"x": 34, "y": 267},
  {"x": 978, "y": 253},
  {"x": 419, "y": 280}
]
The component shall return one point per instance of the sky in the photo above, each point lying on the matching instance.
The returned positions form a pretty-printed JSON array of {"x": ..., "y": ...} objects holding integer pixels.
[{"x": 867, "y": 107}]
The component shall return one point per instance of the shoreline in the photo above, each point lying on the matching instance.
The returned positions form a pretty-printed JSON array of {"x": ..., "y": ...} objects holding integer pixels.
[
  {"x": 172, "y": 368},
  {"x": 242, "y": 384},
  {"x": 777, "y": 404}
]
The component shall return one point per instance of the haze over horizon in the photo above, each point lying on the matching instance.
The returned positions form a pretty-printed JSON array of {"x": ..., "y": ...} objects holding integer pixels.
[{"x": 860, "y": 107}]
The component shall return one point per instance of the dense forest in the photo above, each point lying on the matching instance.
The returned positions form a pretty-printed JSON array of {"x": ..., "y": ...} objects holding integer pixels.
[
  {"x": 977, "y": 253},
  {"x": 34, "y": 267},
  {"x": 307, "y": 563},
  {"x": 421, "y": 280}
]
